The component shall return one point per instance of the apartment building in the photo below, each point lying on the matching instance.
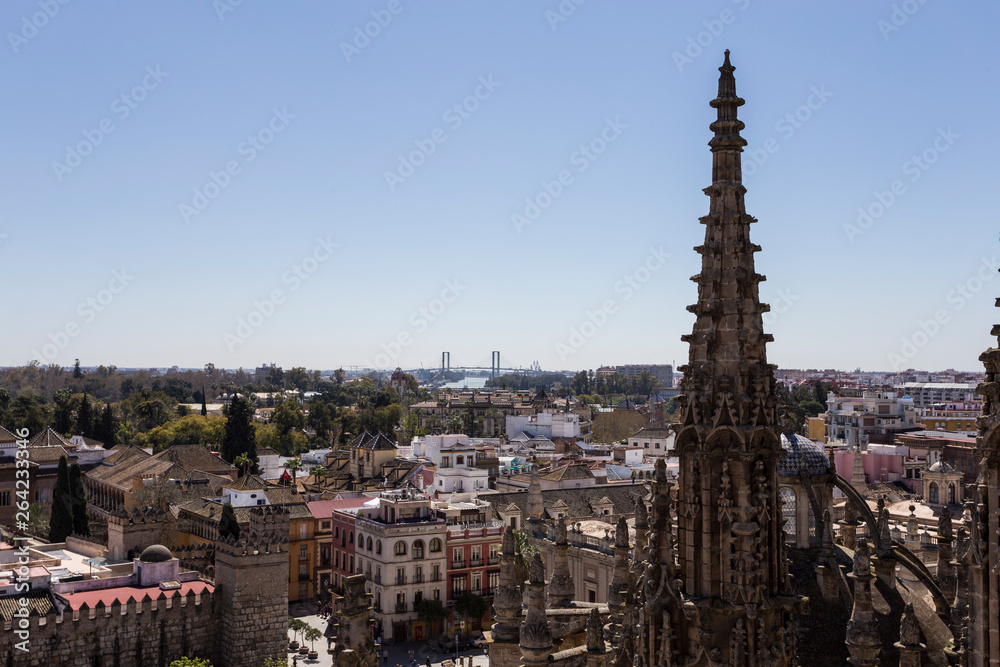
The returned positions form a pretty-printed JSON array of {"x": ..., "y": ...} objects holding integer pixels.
[
  {"x": 874, "y": 417},
  {"x": 400, "y": 548},
  {"x": 926, "y": 394},
  {"x": 473, "y": 543}
]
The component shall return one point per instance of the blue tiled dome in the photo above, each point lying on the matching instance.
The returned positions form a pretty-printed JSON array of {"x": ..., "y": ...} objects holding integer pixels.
[{"x": 817, "y": 462}]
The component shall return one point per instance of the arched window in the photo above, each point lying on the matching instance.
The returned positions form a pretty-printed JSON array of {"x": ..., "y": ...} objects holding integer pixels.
[
  {"x": 932, "y": 493},
  {"x": 418, "y": 549},
  {"x": 435, "y": 545},
  {"x": 789, "y": 510},
  {"x": 378, "y": 546},
  {"x": 336, "y": 532},
  {"x": 400, "y": 548},
  {"x": 350, "y": 538},
  {"x": 951, "y": 494},
  {"x": 369, "y": 545}
]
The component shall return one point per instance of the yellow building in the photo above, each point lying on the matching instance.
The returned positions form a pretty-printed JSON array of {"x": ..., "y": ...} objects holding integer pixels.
[
  {"x": 948, "y": 423},
  {"x": 816, "y": 429}
]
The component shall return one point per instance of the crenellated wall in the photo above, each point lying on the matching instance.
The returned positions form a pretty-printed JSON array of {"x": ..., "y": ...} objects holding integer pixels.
[{"x": 146, "y": 634}]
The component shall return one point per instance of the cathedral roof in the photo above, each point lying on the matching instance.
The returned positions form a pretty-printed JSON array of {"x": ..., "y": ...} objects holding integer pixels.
[{"x": 799, "y": 447}]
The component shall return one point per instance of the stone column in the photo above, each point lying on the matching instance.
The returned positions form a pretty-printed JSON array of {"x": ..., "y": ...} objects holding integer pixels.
[
  {"x": 506, "y": 631},
  {"x": 536, "y": 637},
  {"x": 862, "y": 630},
  {"x": 562, "y": 590},
  {"x": 849, "y": 527},
  {"x": 945, "y": 567},
  {"x": 858, "y": 471}
]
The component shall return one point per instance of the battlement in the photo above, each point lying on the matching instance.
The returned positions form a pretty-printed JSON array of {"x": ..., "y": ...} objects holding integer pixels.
[
  {"x": 147, "y": 514},
  {"x": 252, "y": 545},
  {"x": 269, "y": 520}
]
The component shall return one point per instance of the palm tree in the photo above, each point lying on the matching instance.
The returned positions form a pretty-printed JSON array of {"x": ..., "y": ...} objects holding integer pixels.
[
  {"x": 243, "y": 462},
  {"x": 294, "y": 465},
  {"x": 317, "y": 471}
]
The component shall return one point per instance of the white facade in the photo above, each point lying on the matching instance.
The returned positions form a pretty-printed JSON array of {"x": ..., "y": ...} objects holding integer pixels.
[
  {"x": 850, "y": 421},
  {"x": 551, "y": 424},
  {"x": 655, "y": 442}
]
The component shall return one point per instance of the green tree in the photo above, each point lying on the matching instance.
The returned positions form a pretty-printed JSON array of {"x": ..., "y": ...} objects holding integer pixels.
[
  {"x": 297, "y": 378},
  {"x": 61, "y": 522},
  {"x": 339, "y": 375},
  {"x": 62, "y": 414},
  {"x": 107, "y": 433},
  {"x": 78, "y": 497},
  {"x": 431, "y": 611},
  {"x": 229, "y": 526},
  {"x": 471, "y": 606},
  {"x": 243, "y": 462},
  {"x": 320, "y": 419},
  {"x": 190, "y": 662},
  {"x": 453, "y": 422},
  {"x": 85, "y": 417},
  {"x": 288, "y": 415},
  {"x": 317, "y": 471},
  {"x": 28, "y": 411},
  {"x": 311, "y": 635},
  {"x": 204, "y": 405},
  {"x": 77, "y": 372},
  {"x": 238, "y": 437}
]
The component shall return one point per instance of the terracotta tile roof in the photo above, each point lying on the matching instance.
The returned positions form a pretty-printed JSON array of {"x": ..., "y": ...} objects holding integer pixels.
[
  {"x": 247, "y": 483},
  {"x": 6, "y": 436},
  {"x": 49, "y": 438},
  {"x": 39, "y": 604},
  {"x": 196, "y": 457},
  {"x": 121, "y": 475},
  {"x": 572, "y": 471},
  {"x": 44, "y": 454},
  {"x": 124, "y": 452},
  {"x": 122, "y": 594}
]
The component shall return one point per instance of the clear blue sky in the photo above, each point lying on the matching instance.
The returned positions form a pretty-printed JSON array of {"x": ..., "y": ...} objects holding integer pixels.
[{"x": 339, "y": 112}]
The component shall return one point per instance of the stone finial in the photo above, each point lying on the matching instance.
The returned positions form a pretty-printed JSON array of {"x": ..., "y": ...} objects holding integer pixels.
[
  {"x": 862, "y": 559},
  {"x": 641, "y": 513},
  {"x": 885, "y": 538},
  {"x": 909, "y": 628},
  {"x": 621, "y": 534},
  {"x": 595, "y": 633},
  {"x": 536, "y": 573},
  {"x": 561, "y": 537},
  {"x": 660, "y": 470},
  {"x": 944, "y": 524},
  {"x": 508, "y": 543}
]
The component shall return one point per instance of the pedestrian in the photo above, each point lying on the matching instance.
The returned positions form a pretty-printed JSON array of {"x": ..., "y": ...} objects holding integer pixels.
[
  {"x": 428, "y": 661},
  {"x": 385, "y": 657}
]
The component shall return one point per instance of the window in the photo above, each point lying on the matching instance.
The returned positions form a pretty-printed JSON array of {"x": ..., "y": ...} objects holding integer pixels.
[
  {"x": 303, "y": 571},
  {"x": 494, "y": 580},
  {"x": 336, "y": 531},
  {"x": 445, "y": 461},
  {"x": 932, "y": 493},
  {"x": 494, "y": 550},
  {"x": 369, "y": 545},
  {"x": 477, "y": 582},
  {"x": 459, "y": 460},
  {"x": 477, "y": 553},
  {"x": 951, "y": 494},
  {"x": 350, "y": 539},
  {"x": 378, "y": 546},
  {"x": 324, "y": 525},
  {"x": 418, "y": 549},
  {"x": 303, "y": 552},
  {"x": 435, "y": 545},
  {"x": 457, "y": 585},
  {"x": 457, "y": 556},
  {"x": 789, "y": 509},
  {"x": 591, "y": 593},
  {"x": 303, "y": 531},
  {"x": 400, "y": 548},
  {"x": 437, "y": 594},
  {"x": 336, "y": 559},
  {"x": 4, "y": 497}
]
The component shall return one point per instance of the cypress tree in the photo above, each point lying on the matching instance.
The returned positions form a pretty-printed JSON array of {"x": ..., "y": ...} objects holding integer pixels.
[
  {"x": 108, "y": 427},
  {"x": 78, "y": 496},
  {"x": 61, "y": 521},
  {"x": 204, "y": 406},
  {"x": 239, "y": 436},
  {"x": 84, "y": 417}
]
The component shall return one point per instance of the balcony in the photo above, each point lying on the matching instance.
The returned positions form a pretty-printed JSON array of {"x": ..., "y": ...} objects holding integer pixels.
[
  {"x": 458, "y": 564},
  {"x": 418, "y": 578},
  {"x": 476, "y": 562},
  {"x": 493, "y": 560},
  {"x": 488, "y": 591},
  {"x": 400, "y": 580},
  {"x": 400, "y": 608},
  {"x": 435, "y": 577}
]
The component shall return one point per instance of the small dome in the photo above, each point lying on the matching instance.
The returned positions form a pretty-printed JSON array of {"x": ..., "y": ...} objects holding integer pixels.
[
  {"x": 940, "y": 466},
  {"x": 817, "y": 462},
  {"x": 156, "y": 553}
]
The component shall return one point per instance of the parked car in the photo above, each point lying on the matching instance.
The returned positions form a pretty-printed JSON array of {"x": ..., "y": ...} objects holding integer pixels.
[{"x": 479, "y": 641}]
